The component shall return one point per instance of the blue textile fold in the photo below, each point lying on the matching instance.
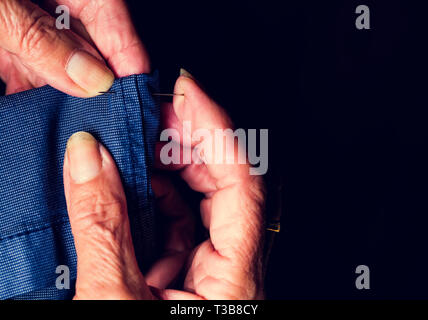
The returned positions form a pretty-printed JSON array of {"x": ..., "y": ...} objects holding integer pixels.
[{"x": 35, "y": 234}]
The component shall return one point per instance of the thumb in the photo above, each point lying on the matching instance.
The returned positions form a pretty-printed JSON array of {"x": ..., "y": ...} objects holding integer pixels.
[
  {"x": 60, "y": 57},
  {"x": 96, "y": 204},
  {"x": 225, "y": 162}
]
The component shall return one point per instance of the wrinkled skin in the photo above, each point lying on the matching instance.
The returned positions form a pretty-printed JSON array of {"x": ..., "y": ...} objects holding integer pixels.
[
  {"x": 228, "y": 265},
  {"x": 33, "y": 52}
]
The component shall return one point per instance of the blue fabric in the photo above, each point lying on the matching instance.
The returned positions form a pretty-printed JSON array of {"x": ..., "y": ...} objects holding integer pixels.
[{"x": 35, "y": 234}]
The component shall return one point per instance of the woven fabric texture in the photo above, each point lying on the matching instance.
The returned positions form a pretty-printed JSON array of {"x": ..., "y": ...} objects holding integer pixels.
[{"x": 35, "y": 234}]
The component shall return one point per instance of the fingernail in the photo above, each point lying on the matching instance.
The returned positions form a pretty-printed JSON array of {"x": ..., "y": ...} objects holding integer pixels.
[
  {"x": 89, "y": 73},
  {"x": 84, "y": 158},
  {"x": 185, "y": 73}
]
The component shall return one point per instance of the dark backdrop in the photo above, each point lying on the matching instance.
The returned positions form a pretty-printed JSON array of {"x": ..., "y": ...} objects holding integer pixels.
[{"x": 347, "y": 113}]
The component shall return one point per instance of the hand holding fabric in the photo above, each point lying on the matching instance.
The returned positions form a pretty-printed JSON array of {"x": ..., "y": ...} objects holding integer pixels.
[
  {"x": 227, "y": 265},
  {"x": 33, "y": 52}
]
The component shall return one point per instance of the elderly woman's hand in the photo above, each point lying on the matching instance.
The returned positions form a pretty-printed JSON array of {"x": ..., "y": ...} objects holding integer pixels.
[
  {"x": 227, "y": 265},
  {"x": 33, "y": 52}
]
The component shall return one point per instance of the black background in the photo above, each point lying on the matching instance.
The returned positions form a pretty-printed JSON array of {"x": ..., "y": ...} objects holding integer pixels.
[{"x": 347, "y": 113}]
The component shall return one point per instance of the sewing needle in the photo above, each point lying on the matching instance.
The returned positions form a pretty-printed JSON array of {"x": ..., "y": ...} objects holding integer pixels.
[{"x": 154, "y": 94}]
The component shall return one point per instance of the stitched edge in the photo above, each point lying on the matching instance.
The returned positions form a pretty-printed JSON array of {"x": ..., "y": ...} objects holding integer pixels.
[{"x": 40, "y": 228}]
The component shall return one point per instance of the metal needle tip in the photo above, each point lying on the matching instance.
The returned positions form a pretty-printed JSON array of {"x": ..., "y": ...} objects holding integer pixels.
[
  {"x": 155, "y": 94},
  {"x": 168, "y": 94}
]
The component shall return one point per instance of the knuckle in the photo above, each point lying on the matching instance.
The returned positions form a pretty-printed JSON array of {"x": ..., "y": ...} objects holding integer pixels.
[
  {"x": 34, "y": 35},
  {"x": 106, "y": 238},
  {"x": 89, "y": 10},
  {"x": 97, "y": 213}
]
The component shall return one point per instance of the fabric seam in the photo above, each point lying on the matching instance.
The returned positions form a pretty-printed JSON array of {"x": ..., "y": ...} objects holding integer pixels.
[
  {"x": 130, "y": 143},
  {"x": 41, "y": 228}
]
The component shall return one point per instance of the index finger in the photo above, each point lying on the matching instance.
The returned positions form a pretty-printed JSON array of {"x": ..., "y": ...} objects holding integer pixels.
[{"x": 110, "y": 26}]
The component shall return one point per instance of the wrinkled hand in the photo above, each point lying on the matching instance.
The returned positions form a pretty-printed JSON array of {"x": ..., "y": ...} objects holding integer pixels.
[
  {"x": 33, "y": 52},
  {"x": 225, "y": 266}
]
